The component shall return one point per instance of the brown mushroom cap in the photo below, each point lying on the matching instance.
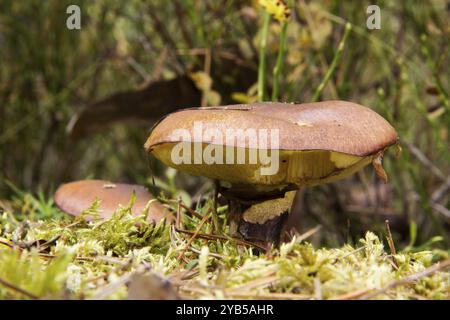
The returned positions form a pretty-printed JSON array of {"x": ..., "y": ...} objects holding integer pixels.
[
  {"x": 75, "y": 197},
  {"x": 318, "y": 142},
  {"x": 338, "y": 126}
]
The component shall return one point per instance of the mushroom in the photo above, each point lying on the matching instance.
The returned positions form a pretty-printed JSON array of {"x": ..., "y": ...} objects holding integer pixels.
[
  {"x": 75, "y": 197},
  {"x": 296, "y": 145}
]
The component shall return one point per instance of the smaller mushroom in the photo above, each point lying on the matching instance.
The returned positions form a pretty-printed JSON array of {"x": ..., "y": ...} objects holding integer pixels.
[{"x": 75, "y": 197}]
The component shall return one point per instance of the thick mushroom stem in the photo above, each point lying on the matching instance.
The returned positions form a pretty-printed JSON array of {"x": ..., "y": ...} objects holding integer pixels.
[{"x": 261, "y": 222}]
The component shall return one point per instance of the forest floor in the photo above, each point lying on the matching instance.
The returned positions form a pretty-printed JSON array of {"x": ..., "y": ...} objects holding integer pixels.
[{"x": 48, "y": 255}]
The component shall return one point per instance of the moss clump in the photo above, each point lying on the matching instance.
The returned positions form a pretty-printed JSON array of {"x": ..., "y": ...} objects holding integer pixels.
[{"x": 81, "y": 259}]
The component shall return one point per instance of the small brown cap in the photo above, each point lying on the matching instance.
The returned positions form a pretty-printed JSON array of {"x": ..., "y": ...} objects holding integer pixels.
[{"x": 75, "y": 197}]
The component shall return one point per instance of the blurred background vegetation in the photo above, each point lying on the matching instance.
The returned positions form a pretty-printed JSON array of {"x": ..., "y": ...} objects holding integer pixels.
[{"x": 78, "y": 104}]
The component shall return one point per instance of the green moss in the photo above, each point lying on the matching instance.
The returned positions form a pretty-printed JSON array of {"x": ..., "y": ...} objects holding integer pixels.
[{"x": 81, "y": 258}]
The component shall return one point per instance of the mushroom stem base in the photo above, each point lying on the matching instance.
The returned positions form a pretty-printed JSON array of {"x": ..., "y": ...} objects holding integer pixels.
[{"x": 269, "y": 232}]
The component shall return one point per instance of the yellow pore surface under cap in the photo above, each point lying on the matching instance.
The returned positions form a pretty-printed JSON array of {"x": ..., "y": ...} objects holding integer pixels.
[{"x": 307, "y": 167}]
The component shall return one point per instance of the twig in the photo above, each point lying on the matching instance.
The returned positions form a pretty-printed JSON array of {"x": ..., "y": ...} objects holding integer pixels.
[
  {"x": 258, "y": 283},
  {"x": 139, "y": 69},
  {"x": 308, "y": 233},
  {"x": 182, "y": 205},
  {"x": 416, "y": 152},
  {"x": 92, "y": 259},
  {"x": 200, "y": 291},
  {"x": 112, "y": 287},
  {"x": 272, "y": 296},
  {"x": 96, "y": 278},
  {"x": 74, "y": 224},
  {"x": 183, "y": 275},
  {"x": 348, "y": 254},
  {"x": 17, "y": 289},
  {"x": 391, "y": 244},
  {"x": 191, "y": 211},
  {"x": 119, "y": 268},
  {"x": 197, "y": 231},
  {"x": 440, "y": 209},
  {"x": 106, "y": 259},
  {"x": 206, "y": 53},
  {"x": 7, "y": 244},
  {"x": 178, "y": 222},
  {"x": 173, "y": 237},
  {"x": 440, "y": 192},
  {"x": 437, "y": 207},
  {"x": 318, "y": 289},
  {"x": 173, "y": 234},
  {"x": 416, "y": 276},
  {"x": 350, "y": 295},
  {"x": 212, "y": 254},
  {"x": 389, "y": 238},
  {"x": 48, "y": 243},
  {"x": 218, "y": 237},
  {"x": 159, "y": 65}
]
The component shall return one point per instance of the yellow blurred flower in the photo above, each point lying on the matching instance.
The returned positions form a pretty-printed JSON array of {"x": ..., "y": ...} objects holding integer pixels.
[{"x": 277, "y": 8}]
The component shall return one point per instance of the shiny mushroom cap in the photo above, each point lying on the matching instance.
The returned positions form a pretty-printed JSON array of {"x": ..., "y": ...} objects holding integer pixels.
[
  {"x": 317, "y": 142},
  {"x": 75, "y": 197}
]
